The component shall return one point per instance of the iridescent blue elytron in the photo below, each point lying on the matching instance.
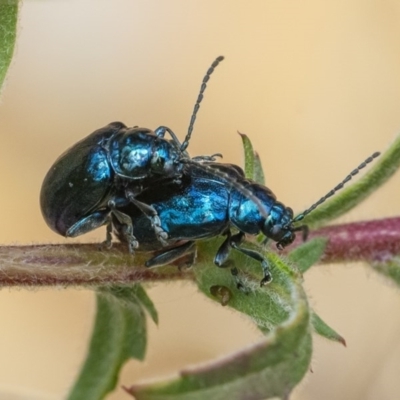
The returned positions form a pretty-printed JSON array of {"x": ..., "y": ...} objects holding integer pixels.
[
  {"x": 111, "y": 166},
  {"x": 210, "y": 200}
]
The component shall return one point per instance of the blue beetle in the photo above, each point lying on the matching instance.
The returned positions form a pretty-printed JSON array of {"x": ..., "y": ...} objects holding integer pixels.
[
  {"x": 210, "y": 200},
  {"x": 110, "y": 167}
]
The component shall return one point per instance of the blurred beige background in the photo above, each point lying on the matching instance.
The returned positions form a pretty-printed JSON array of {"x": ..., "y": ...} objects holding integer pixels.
[{"x": 315, "y": 84}]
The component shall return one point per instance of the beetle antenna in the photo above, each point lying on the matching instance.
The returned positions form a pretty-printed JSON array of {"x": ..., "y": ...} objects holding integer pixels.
[
  {"x": 203, "y": 86},
  {"x": 336, "y": 188}
]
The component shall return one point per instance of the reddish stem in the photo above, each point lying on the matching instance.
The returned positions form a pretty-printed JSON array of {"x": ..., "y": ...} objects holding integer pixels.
[
  {"x": 86, "y": 265},
  {"x": 376, "y": 240}
]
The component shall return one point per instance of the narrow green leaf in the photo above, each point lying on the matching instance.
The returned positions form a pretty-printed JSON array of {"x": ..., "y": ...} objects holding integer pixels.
[
  {"x": 252, "y": 163},
  {"x": 323, "y": 329},
  {"x": 390, "y": 269},
  {"x": 308, "y": 254},
  {"x": 382, "y": 169},
  {"x": 272, "y": 367},
  {"x": 135, "y": 296},
  {"x": 8, "y": 34},
  {"x": 248, "y": 156},
  {"x": 119, "y": 334},
  {"x": 258, "y": 175},
  {"x": 135, "y": 340},
  {"x": 146, "y": 302}
]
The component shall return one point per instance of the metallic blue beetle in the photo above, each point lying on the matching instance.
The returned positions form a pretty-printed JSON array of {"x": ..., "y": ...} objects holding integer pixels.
[
  {"x": 204, "y": 205},
  {"x": 109, "y": 167},
  {"x": 80, "y": 189},
  {"x": 210, "y": 200}
]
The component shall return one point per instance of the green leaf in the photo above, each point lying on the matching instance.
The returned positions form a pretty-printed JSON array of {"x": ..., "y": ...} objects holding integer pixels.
[
  {"x": 252, "y": 163},
  {"x": 323, "y": 329},
  {"x": 248, "y": 156},
  {"x": 119, "y": 334},
  {"x": 308, "y": 253},
  {"x": 390, "y": 269},
  {"x": 382, "y": 169},
  {"x": 134, "y": 296},
  {"x": 270, "y": 368},
  {"x": 252, "y": 302},
  {"x": 146, "y": 302},
  {"x": 8, "y": 34},
  {"x": 258, "y": 174}
]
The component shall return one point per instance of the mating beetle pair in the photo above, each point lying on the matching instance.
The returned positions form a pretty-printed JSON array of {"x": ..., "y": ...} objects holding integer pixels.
[
  {"x": 109, "y": 167},
  {"x": 210, "y": 199},
  {"x": 151, "y": 193}
]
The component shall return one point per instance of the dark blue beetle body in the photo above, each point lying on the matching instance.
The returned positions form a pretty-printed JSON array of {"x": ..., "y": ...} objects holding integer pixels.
[
  {"x": 80, "y": 189},
  {"x": 195, "y": 208},
  {"x": 204, "y": 205},
  {"x": 109, "y": 168},
  {"x": 68, "y": 180},
  {"x": 209, "y": 200}
]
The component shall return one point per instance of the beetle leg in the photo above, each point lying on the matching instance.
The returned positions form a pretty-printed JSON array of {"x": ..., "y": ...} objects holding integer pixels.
[
  {"x": 152, "y": 214},
  {"x": 172, "y": 254},
  {"x": 221, "y": 260},
  {"x": 89, "y": 223},
  {"x": 235, "y": 242},
  {"x": 160, "y": 132},
  {"x": 211, "y": 158},
  {"x": 127, "y": 227},
  {"x": 108, "y": 242}
]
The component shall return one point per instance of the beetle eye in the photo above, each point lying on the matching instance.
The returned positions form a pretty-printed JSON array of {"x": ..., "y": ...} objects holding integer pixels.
[
  {"x": 158, "y": 162},
  {"x": 276, "y": 230}
]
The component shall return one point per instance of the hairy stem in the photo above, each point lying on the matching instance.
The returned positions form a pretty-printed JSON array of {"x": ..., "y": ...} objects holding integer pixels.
[
  {"x": 372, "y": 241},
  {"x": 87, "y": 265},
  {"x": 77, "y": 265}
]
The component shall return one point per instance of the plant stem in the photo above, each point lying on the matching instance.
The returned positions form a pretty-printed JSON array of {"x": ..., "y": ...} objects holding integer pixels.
[
  {"x": 88, "y": 265},
  {"x": 372, "y": 241},
  {"x": 77, "y": 265}
]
